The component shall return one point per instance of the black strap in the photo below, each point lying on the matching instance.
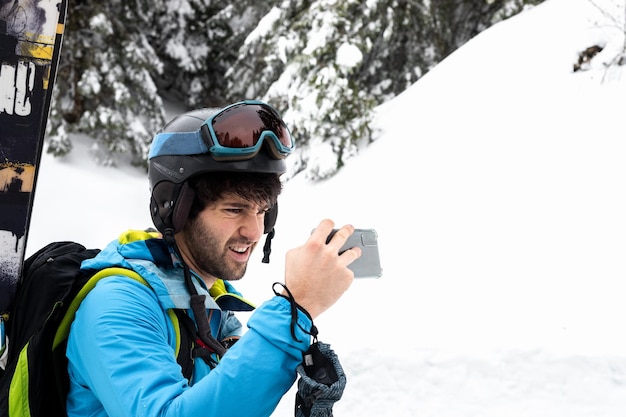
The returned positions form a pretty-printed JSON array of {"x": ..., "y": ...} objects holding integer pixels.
[
  {"x": 185, "y": 355},
  {"x": 194, "y": 347},
  {"x": 294, "y": 313},
  {"x": 267, "y": 248},
  {"x": 204, "y": 328}
]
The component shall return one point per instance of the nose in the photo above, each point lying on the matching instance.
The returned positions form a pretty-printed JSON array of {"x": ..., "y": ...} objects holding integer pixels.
[{"x": 252, "y": 227}]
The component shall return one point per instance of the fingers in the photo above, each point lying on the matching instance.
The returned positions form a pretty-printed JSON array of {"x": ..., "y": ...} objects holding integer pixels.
[
  {"x": 325, "y": 230},
  {"x": 322, "y": 231},
  {"x": 336, "y": 240},
  {"x": 315, "y": 273},
  {"x": 351, "y": 255}
]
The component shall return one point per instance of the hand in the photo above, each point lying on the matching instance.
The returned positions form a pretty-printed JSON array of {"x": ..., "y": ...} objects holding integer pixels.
[{"x": 315, "y": 273}]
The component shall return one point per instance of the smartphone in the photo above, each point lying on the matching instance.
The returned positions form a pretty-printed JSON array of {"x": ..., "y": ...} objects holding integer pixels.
[{"x": 368, "y": 265}]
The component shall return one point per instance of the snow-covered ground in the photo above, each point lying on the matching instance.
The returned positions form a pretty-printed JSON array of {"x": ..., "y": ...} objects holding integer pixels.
[{"x": 497, "y": 189}]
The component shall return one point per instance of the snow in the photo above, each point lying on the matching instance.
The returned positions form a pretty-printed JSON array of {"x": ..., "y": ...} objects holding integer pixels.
[
  {"x": 349, "y": 55},
  {"x": 497, "y": 190}
]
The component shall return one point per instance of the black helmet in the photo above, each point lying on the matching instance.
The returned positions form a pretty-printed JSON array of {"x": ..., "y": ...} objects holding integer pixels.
[{"x": 200, "y": 141}]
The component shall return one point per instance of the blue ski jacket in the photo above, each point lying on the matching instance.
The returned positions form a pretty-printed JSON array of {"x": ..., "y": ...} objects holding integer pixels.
[{"x": 121, "y": 346}]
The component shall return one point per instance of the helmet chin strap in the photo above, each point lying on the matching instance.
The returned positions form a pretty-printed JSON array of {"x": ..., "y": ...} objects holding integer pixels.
[
  {"x": 267, "y": 248},
  {"x": 196, "y": 302},
  {"x": 269, "y": 222}
]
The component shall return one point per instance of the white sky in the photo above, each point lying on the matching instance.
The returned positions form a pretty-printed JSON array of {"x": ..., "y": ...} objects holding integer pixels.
[{"x": 497, "y": 190}]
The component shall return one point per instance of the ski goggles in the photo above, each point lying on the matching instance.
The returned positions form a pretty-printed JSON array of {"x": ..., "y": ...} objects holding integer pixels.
[{"x": 239, "y": 131}]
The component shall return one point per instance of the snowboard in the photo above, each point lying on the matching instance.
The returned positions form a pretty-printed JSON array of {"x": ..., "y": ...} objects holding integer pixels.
[{"x": 31, "y": 32}]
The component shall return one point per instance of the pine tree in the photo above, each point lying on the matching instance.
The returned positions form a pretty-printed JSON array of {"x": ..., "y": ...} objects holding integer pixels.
[
  {"x": 295, "y": 60},
  {"x": 291, "y": 60},
  {"x": 105, "y": 85},
  {"x": 121, "y": 57},
  {"x": 194, "y": 45}
]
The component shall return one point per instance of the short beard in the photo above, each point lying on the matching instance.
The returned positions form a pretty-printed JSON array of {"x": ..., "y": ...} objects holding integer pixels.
[{"x": 207, "y": 254}]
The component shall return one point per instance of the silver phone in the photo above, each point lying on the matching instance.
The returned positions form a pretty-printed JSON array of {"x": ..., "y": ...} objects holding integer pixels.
[{"x": 368, "y": 265}]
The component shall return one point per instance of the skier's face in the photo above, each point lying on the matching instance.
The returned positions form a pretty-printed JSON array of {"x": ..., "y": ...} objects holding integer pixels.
[{"x": 220, "y": 240}]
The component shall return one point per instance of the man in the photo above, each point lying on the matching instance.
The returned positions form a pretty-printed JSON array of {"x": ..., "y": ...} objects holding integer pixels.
[{"x": 214, "y": 179}]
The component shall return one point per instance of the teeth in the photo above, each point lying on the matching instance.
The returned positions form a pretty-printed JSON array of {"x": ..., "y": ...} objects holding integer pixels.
[{"x": 240, "y": 250}]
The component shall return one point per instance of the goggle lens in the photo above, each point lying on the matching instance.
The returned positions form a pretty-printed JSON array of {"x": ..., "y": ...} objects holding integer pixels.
[{"x": 239, "y": 131}]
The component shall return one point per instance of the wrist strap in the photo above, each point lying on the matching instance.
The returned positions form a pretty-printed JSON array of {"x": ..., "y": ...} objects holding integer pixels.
[{"x": 294, "y": 313}]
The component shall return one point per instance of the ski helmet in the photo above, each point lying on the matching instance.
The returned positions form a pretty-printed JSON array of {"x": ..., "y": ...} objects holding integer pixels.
[{"x": 200, "y": 141}]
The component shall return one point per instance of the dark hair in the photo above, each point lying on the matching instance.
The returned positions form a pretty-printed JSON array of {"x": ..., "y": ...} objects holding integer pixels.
[{"x": 257, "y": 187}]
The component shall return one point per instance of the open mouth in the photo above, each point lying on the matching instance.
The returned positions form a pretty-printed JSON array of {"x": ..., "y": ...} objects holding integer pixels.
[
  {"x": 239, "y": 249},
  {"x": 240, "y": 253}
]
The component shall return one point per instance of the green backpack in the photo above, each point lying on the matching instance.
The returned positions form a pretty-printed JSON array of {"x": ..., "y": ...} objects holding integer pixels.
[{"x": 51, "y": 288}]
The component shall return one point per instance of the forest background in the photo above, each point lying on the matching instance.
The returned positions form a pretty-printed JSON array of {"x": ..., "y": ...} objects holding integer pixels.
[{"x": 324, "y": 64}]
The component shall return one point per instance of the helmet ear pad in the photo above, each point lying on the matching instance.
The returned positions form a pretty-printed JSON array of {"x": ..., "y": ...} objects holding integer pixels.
[
  {"x": 183, "y": 207},
  {"x": 270, "y": 218},
  {"x": 170, "y": 205}
]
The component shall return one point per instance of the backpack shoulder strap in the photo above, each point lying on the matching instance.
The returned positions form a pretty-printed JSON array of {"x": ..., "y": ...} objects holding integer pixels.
[
  {"x": 183, "y": 344},
  {"x": 64, "y": 328}
]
